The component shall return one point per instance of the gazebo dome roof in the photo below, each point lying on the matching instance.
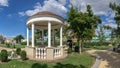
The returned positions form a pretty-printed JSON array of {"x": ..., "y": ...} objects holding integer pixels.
[
  {"x": 41, "y": 20},
  {"x": 46, "y": 13},
  {"x": 43, "y": 13}
]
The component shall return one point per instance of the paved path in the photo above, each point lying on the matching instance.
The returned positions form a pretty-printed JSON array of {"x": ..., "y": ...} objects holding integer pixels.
[
  {"x": 109, "y": 58},
  {"x": 8, "y": 49}
]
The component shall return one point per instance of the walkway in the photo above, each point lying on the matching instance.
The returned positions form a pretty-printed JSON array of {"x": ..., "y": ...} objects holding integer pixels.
[
  {"x": 8, "y": 49},
  {"x": 109, "y": 59}
]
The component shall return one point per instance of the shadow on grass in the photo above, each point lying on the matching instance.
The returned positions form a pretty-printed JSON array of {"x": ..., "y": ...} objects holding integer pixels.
[
  {"x": 59, "y": 65},
  {"x": 38, "y": 65}
]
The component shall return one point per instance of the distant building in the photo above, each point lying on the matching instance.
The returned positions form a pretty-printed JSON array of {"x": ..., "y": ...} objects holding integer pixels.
[
  {"x": 95, "y": 39},
  {"x": 10, "y": 40},
  {"x": 24, "y": 40},
  {"x": 107, "y": 37}
]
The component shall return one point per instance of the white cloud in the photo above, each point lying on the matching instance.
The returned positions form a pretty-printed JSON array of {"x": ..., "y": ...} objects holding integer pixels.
[
  {"x": 62, "y": 2},
  {"x": 3, "y": 2},
  {"x": 101, "y": 13},
  {"x": 113, "y": 25},
  {"x": 21, "y": 13},
  {"x": 100, "y": 7},
  {"x": 49, "y": 5},
  {"x": 111, "y": 21},
  {"x": 37, "y": 8}
]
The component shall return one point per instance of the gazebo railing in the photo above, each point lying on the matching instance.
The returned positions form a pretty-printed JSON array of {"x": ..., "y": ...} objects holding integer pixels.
[
  {"x": 40, "y": 53},
  {"x": 57, "y": 52},
  {"x": 46, "y": 53}
]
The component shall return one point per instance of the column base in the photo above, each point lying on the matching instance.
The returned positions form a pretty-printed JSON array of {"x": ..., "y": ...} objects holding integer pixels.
[
  {"x": 30, "y": 52},
  {"x": 50, "y": 53}
]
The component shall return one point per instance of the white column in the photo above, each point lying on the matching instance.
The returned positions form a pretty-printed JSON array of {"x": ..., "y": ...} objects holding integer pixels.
[
  {"x": 61, "y": 36},
  {"x": 42, "y": 37},
  {"x": 27, "y": 36},
  {"x": 53, "y": 37},
  {"x": 49, "y": 34},
  {"x": 33, "y": 35}
]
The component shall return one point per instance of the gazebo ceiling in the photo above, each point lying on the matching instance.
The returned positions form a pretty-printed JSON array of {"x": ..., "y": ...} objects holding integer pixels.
[
  {"x": 44, "y": 25},
  {"x": 41, "y": 20}
]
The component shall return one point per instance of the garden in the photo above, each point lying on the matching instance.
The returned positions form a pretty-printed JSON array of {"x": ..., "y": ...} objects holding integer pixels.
[{"x": 74, "y": 60}]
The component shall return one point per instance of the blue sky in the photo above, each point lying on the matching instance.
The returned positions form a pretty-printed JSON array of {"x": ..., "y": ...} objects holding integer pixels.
[{"x": 13, "y": 13}]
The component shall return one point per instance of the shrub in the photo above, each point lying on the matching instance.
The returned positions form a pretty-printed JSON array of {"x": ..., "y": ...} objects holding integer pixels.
[
  {"x": 69, "y": 50},
  {"x": 18, "y": 50},
  {"x": 3, "y": 41},
  {"x": 76, "y": 49},
  {"x": 23, "y": 55},
  {"x": 13, "y": 46},
  {"x": 23, "y": 43},
  {"x": 38, "y": 65},
  {"x": 4, "y": 56},
  {"x": 8, "y": 45}
]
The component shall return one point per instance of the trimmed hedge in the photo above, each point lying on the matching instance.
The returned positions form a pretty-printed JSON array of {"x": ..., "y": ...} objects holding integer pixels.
[
  {"x": 23, "y": 43},
  {"x": 69, "y": 50},
  {"x": 38, "y": 65},
  {"x": 23, "y": 55},
  {"x": 4, "y": 56},
  {"x": 18, "y": 50}
]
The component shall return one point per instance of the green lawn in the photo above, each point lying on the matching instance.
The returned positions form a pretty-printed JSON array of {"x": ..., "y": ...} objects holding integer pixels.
[
  {"x": 72, "y": 60},
  {"x": 20, "y": 46},
  {"x": 12, "y": 46}
]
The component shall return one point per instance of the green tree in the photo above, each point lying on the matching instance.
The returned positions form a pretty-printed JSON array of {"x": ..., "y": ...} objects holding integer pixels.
[
  {"x": 83, "y": 24},
  {"x": 18, "y": 38},
  {"x": 23, "y": 55},
  {"x": 107, "y": 27},
  {"x": 116, "y": 8},
  {"x": 37, "y": 35},
  {"x": 18, "y": 50},
  {"x": 4, "y": 56},
  {"x": 101, "y": 32}
]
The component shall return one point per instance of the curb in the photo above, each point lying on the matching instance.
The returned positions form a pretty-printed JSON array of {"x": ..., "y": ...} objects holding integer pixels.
[{"x": 97, "y": 62}]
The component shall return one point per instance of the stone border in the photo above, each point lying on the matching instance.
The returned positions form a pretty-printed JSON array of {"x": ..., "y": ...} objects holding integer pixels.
[{"x": 97, "y": 62}]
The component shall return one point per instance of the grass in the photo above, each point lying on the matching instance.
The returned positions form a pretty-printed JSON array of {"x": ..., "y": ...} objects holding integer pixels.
[
  {"x": 79, "y": 59},
  {"x": 73, "y": 59},
  {"x": 12, "y": 46},
  {"x": 20, "y": 46}
]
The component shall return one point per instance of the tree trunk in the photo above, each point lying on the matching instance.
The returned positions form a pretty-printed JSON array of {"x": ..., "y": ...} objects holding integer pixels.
[{"x": 80, "y": 46}]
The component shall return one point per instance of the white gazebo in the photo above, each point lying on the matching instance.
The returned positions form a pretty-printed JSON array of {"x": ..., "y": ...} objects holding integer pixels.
[{"x": 45, "y": 21}]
